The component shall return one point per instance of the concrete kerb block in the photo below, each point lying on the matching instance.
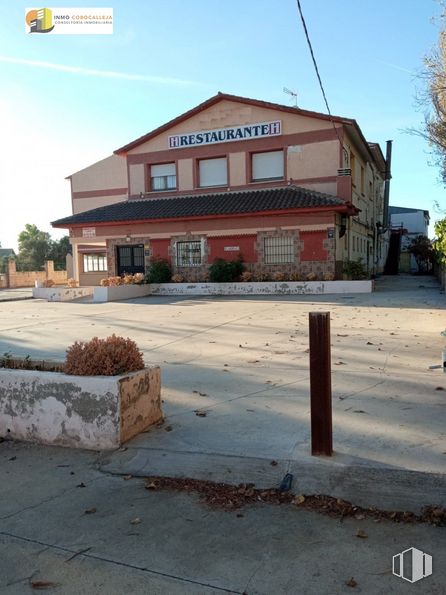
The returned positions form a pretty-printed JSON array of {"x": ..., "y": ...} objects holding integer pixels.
[{"x": 93, "y": 412}]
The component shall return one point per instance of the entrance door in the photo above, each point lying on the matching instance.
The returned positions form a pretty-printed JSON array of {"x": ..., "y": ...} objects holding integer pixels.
[{"x": 130, "y": 259}]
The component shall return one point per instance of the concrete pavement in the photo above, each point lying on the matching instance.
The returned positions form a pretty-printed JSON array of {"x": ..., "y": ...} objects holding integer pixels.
[
  {"x": 147, "y": 541},
  {"x": 13, "y": 295},
  {"x": 244, "y": 363}
]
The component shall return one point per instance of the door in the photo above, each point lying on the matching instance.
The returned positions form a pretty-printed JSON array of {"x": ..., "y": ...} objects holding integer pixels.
[{"x": 130, "y": 259}]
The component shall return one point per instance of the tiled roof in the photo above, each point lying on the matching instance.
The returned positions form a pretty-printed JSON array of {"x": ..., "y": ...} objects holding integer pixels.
[{"x": 201, "y": 205}]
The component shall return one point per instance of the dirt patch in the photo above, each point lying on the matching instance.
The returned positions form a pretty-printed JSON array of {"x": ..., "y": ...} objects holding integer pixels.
[{"x": 228, "y": 497}]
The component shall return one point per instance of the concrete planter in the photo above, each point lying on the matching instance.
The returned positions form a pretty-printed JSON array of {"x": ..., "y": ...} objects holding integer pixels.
[
  {"x": 268, "y": 288},
  {"x": 61, "y": 294},
  {"x": 119, "y": 292},
  {"x": 96, "y": 412}
]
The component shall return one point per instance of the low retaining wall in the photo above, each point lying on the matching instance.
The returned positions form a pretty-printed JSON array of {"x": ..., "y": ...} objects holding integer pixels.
[
  {"x": 61, "y": 294},
  {"x": 268, "y": 288},
  {"x": 95, "y": 412},
  {"x": 120, "y": 292}
]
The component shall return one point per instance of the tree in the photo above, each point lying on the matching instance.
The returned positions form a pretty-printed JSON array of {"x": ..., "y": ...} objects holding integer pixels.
[
  {"x": 432, "y": 98},
  {"x": 421, "y": 248},
  {"x": 58, "y": 252},
  {"x": 439, "y": 243},
  {"x": 34, "y": 248}
]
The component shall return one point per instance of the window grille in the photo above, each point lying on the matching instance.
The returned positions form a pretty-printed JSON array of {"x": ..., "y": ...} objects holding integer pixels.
[
  {"x": 94, "y": 263},
  {"x": 189, "y": 254},
  {"x": 278, "y": 250}
]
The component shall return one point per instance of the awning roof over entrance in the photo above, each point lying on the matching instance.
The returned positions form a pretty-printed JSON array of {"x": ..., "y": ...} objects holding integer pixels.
[{"x": 285, "y": 198}]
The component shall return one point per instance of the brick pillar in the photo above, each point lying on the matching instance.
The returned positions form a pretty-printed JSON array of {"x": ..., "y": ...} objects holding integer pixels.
[
  {"x": 49, "y": 269},
  {"x": 11, "y": 272}
]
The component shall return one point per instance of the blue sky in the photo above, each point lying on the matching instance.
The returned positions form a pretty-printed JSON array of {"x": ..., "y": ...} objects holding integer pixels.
[{"x": 69, "y": 100}]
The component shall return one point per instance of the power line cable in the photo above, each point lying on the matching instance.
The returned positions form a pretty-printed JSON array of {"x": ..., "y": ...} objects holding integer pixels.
[{"x": 317, "y": 74}]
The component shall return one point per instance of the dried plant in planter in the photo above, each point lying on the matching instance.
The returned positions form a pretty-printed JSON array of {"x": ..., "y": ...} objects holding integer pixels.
[
  {"x": 246, "y": 276},
  {"x": 295, "y": 276},
  {"x": 72, "y": 282},
  {"x": 311, "y": 277},
  {"x": 48, "y": 283},
  {"x": 104, "y": 282},
  {"x": 177, "y": 278},
  {"x": 278, "y": 276},
  {"x": 103, "y": 357}
]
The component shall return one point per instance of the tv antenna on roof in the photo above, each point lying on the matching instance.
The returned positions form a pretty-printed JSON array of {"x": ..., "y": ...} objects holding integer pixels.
[{"x": 293, "y": 95}]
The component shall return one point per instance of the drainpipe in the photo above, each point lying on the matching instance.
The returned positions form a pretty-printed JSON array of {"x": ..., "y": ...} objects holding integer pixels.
[{"x": 388, "y": 177}]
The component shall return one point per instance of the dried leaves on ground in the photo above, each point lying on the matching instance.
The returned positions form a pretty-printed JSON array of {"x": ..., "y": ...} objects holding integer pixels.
[{"x": 231, "y": 497}]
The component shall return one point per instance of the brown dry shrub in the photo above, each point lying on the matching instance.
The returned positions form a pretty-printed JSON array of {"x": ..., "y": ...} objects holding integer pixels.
[
  {"x": 311, "y": 277},
  {"x": 295, "y": 276},
  {"x": 72, "y": 282},
  {"x": 103, "y": 357},
  {"x": 246, "y": 276},
  {"x": 262, "y": 277},
  {"x": 48, "y": 283},
  {"x": 128, "y": 279},
  {"x": 177, "y": 278},
  {"x": 329, "y": 276},
  {"x": 104, "y": 282},
  {"x": 279, "y": 276}
]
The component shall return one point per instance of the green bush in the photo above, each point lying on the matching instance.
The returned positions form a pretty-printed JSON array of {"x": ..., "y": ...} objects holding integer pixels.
[
  {"x": 224, "y": 271},
  {"x": 160, "y": 271},
  {"x": 354, "y": 269}
]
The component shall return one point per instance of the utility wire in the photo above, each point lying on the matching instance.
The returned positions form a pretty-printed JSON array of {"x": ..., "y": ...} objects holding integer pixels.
[{"x": 317, "y": 74}]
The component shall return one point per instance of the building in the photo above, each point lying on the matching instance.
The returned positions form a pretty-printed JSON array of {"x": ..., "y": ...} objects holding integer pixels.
[
  {"x": 407, "y": 224},
  {"x": 286, "y": 189}
]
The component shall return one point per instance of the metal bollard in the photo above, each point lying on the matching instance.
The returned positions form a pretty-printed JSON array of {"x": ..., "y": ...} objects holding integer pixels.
[{"x": 320, "y": 384}]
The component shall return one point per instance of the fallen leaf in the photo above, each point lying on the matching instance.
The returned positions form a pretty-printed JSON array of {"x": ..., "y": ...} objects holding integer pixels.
[
  {"x": 199, "y": 413},
  {"x": 168, "y": 428},
  {"x": 339, "y": 335},
  {"x": 152, "y": 485},
  {"x": 369, "y": 343},
  {"x": 127, "y": 477},
  {"x": 359, "y": 411},
  {"x": 299, "y": 499},
  {"x": 135, "y": 521},
  {"x": 90, "y": 511},
  {"x": 340, "y": 364},
  {"x": 43, "y": 584},
  {"x": 361, "y": 533},
  {"x": 273, "y": 463},
  {"x": 81, "y": 485},
  {"x": 439, "y": 388},
  {"x": 351, "y": 582}
]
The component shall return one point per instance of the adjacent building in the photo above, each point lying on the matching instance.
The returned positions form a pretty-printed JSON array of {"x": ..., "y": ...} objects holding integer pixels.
[
  {"x": 407, "y": 224},
  {"x": 286, "y": 189}
]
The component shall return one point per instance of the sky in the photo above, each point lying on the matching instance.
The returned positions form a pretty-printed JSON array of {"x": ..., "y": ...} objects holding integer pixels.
[{"x": 67, "y": 101}]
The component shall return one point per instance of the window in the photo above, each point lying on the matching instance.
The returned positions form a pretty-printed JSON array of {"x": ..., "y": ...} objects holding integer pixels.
[
  {"x": 95, "y": 263},
  {"x": 267, "y": 166},
  {"x": 278, "y": 250},
  {"x": 213, "y": 172},
  {"x": 188, "y": 254},
  {"x": 163, "y": 177}
]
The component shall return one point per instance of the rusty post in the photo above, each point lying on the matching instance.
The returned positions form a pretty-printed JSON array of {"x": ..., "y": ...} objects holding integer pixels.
[{"x": 320, "y": 384}]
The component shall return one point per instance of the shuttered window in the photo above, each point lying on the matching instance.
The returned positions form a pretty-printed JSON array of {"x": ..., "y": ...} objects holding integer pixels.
[
  {"x": 213, "y": 172},
  {"x": 163, "y": 177},
  {"x": 267, "y": 166}
]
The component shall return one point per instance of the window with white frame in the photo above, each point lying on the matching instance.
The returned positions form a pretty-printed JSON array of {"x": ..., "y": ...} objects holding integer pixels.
[
  {"x": 95, "y": 263},
  {"x": 189, "y": 254},
  {"x": 267, "y": 166},
  {"x": 278, "y": 249},
  {"x": 163, "y": 177},
  {"x": 213, "y": 172}
]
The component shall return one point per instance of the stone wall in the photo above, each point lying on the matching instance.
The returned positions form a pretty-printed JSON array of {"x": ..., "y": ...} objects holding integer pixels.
[{"x": 14, "y": 278}]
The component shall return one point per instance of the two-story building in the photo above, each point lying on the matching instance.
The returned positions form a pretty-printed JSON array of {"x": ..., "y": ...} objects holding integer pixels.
[{"x": 285, "y": 189}]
